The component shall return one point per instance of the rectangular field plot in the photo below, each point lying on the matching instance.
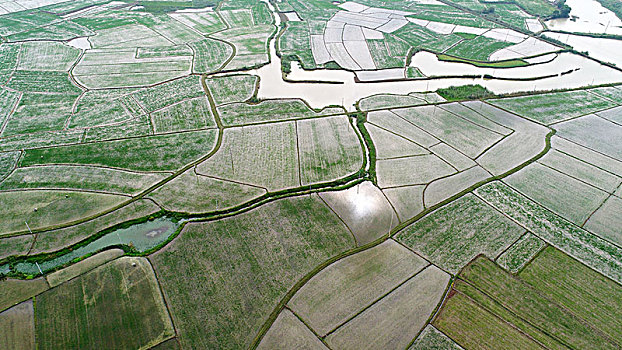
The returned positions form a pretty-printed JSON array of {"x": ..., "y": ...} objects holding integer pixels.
[
  {"x": 393, "y": 321},
  {"x": 554, "y": 107},
  {"x": 599, "y": 160},
  {"x": 15, "y": 291},
  {"x": 47, "y": 55},
  {"x": 79, "y": 177},
  {"x": 478, "y": 49},
  {"x": 560, "y": 193},
  {"x": 79, "y": 268},
  {"x": 42, "y": 81},
  {"x": 400, "y": 171},
  {"x": 584, "y": 246},
  {"x": 268, "y": 110},
  {"x": 223, "y": 278},
  {"x": 264, "y": 156},
  {"x": 37, "y": 112},
  {"x": 160, "y": 96},
  {"x": 389, "y": 145},
  {"x": 205, "y": 22},
  {"x": 129, "y": 36},
  {"x": 18, "y": 245},
  {"x": 251, "y": 45},
  {"x": 595, "y": 133},
  {"x": 453, "y": 235},
  {"x": 114, "y": 68},
  {"x": 152, "y": 153},
  {"x": 467, "y": 137},
  {"x": 581, "y": 170},
  {"x": 382, "y": 101},
  {"x": 472, "y": 325},
  {"x": 395, "y": 124},
  {"x": 520, "y": 253},
  {"x": 576, "y": 287},
  {"x": 18, "y": 327},
  {"x": 328, "y": 148},
  {"x": 348, "y": 286},
  {"x": 53, "y": 208},
  {"x": 606, "y": 221},
  {"x": 199, "y": 194},
  {"x": 118, "y": 305},
  {"x": 238, "y": 18},
  {"x": 232, "y": 88},
  {"x": 185, "y": 115}
]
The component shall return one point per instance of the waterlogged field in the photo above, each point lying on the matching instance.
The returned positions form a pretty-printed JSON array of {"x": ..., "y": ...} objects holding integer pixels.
[{"x": 160, "y": 190}]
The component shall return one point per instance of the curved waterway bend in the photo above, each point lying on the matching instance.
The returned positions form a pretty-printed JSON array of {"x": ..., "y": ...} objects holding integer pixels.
[
  {"x": 142, "y": 237},
  {"x": 319, "y": 94}
]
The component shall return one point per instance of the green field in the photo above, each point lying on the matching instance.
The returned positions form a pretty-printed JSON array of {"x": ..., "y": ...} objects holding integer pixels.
[
  {"x": 456, "y": 233},
  {"x": 531, "y": 307},
  {"x": 118, "y": 305},
  {"x": 555, "y": 107},
  {"x": 216, "y": 272}
]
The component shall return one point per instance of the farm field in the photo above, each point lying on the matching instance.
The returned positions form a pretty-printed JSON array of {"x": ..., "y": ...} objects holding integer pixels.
[{"x": 310, "y": 174}]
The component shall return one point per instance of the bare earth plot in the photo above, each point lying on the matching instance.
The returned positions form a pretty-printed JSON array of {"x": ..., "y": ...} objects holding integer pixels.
[{"x": 18, "y": 327}]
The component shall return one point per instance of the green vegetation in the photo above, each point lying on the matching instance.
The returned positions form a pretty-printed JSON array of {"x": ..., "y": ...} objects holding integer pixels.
[
  {"x": 232, "y": 88},
  {"x": 209, "y": 55},
  {"x": 530, "y": 305},
  {"x": 520, "y": 253},
  {"x": 453, "y": 235},
  {"x": 186, "y": 115},
  {"x": 328, "y": 149},
  {"x": 591, "y": 250},
  {"x": 478, "y": 49},
  {"x": 125, "y": 309},
  {"x": 465, "y": 92},
  {"x": 163, "y": 152},
  {"x": 237, "y": 273},
  {"x": 498, "y": 64},
  {"x": 432, "y": 338},
  {"x": 48, "y": 208},
  {"x": 554, "y": 107},
  {"x": 15, "y": 291},
  {"x": 295, "y": 42}
]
